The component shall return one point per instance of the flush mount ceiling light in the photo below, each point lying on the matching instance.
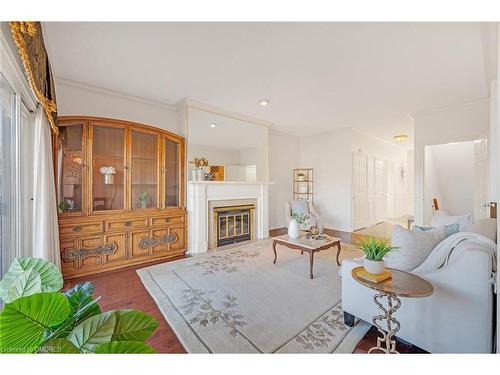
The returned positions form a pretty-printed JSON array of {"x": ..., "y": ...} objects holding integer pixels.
[
  {"x": 400, "y": 138},
  {"x": 263, "y": 102},
  {"x": 213, "y": 125}
]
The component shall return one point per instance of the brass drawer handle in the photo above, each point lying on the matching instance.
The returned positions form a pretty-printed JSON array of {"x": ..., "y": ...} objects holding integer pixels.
[
  {"x": 78, "y": 228},
  {"x": 168, "y": 220},
  {"x": 128, "y": 223}
]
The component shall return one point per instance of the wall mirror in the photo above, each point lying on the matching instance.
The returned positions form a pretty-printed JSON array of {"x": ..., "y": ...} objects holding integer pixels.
[{"x": 231, "y": 149}]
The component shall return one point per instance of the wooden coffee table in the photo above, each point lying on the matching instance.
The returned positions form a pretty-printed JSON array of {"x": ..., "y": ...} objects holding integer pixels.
[{"x": 303, "y": 244}]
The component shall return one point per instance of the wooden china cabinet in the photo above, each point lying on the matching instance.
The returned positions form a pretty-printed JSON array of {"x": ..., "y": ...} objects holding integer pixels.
[{"x": 120, "y": 191}]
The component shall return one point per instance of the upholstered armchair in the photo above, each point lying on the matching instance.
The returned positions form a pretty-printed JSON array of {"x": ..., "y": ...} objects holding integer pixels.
[{"x": 302, "y": 206}]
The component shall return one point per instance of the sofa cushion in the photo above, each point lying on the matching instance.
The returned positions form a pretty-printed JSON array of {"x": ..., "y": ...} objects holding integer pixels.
[
  {"x": 448, "y": 229},
  {"x": 300, "y": 206},
  {"x": 441, "y": 218},
  {"x": 412, "y": 247},
  {"x": 485, "y": 227}
]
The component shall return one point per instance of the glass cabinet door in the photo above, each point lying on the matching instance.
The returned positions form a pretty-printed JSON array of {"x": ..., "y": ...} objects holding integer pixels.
[
  {"x": 70, "y": 165},
  {"x": 108, "y": 166},
  {"x": 171, "y": 173},
  {"x": 144, "y": 170}
]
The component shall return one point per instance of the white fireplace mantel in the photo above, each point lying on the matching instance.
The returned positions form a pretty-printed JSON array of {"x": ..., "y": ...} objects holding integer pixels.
[{"x": 201, "y": 193}]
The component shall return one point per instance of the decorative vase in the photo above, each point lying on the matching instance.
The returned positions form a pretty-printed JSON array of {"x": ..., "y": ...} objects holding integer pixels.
[
  {"x": 301, "y": 178},
  {"x": 200, "y": 173},
  {"x": 293, "y": 229},
  {"x": 144, "y": 204},
  {"x": 376, "y": 267},
  {"x": 194, "y": 174}
]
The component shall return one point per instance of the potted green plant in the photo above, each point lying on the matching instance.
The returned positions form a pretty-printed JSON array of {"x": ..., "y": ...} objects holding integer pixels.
[
  {"x": 301, "y": 176},
  {"x": 375, "y": 250},
  {"x": 143, "y": 198},
  {"x": 64, "y": 206},
  {"x": 38, "y": 317}
]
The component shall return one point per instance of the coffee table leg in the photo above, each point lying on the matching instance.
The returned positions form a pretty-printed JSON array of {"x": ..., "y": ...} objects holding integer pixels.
[
  {"x": 311, "y": 258},
  {"x": 386, "y": 339},
  {"x": 339, "y": 248},
  {"x": 274, "y": 249}
]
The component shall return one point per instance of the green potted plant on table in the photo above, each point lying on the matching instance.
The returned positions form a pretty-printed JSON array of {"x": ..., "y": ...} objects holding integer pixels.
[
  {"x": 375, "y": 250},
  {"x": 38, "y": 318}
]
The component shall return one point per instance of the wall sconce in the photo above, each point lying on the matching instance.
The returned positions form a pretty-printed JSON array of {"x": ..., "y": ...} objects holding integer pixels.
[{"x": 109, "y": 174}]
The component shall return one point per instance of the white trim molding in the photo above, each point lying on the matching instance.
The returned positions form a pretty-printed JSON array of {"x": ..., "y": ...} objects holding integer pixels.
[{"x": 201, "y": 193}]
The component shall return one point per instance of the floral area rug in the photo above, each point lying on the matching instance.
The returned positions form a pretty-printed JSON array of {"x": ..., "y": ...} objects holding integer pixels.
[{"x": 238, "y": 301}]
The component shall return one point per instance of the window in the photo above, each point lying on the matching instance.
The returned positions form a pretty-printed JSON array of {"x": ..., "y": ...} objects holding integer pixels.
[
  {"x": 8, "y": 163},
  {"x": 16, "y": 176}
]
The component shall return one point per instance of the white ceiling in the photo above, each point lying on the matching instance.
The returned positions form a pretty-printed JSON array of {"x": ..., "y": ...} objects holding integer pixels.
[
  {"x": 229, "y": 133},
  {"x": 317, "y": 76}
]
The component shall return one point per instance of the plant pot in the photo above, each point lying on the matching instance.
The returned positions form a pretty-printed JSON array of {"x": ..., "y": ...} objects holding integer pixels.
[
  {"x": 376, "y": 267},
  {"x": 293, "y": 229},
  {"x": 194, "y": 174},
  {"x": 301, "y": 178},
  {"x": 144, "y": 205}
]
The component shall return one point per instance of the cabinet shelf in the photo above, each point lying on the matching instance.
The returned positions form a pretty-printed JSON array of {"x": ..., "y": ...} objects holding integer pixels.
[{"x": 303, "y": 188}]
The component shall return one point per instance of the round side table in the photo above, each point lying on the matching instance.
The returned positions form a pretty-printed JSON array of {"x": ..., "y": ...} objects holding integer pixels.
[{"x": 401, "y": 284}]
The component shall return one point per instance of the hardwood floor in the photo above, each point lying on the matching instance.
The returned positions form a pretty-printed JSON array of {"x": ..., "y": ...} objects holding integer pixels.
[{"x": 123, "y": 289}]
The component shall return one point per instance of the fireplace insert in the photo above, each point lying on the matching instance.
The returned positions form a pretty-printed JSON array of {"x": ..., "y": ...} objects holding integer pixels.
[{"x": 233, "y": 224}]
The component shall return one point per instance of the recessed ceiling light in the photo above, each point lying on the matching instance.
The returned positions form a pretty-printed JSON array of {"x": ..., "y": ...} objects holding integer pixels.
[
  {"x": 213, "y": 125},
  {"x": 263, "y": 102},
  {"x": 400, "y": 138}
]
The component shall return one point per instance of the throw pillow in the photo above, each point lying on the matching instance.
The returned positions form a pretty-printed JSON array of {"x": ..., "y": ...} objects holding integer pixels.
[
  {"x": 448, "y": 229},
  {"x": 441, "y": 218},
  {"x": 412, "y": 247},
  {"x": 485, "y": 227}
]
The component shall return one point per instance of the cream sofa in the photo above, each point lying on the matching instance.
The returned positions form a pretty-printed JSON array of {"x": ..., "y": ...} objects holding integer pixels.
[{"x": 457, "y": 318}]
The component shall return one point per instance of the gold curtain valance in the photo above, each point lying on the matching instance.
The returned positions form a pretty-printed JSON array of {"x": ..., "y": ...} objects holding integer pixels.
[{"x": 29, "y": 39}]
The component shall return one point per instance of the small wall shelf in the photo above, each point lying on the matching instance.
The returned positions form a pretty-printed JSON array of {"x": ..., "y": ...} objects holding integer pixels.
[{"x": 303, "y": 179}]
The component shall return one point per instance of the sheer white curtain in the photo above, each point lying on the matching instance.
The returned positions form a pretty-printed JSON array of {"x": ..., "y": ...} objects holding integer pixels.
[{"x": 45, "y": 228}]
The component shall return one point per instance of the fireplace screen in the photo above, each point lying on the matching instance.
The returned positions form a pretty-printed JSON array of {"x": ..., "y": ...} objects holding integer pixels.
[{"x": 233, "y": 224}]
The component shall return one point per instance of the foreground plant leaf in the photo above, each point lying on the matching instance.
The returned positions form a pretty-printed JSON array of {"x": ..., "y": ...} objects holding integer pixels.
[
  {"x": 24, "y": 321},
  {"x": 82, "y": 305},
  {"x": 59, "y": 346},
  {"x": 133, "y": 325},
  {"x": 124, "y": 347},
  {"x": 50, "y": 277},
  {"x": 93, "y": 331},
  {"x": 27, "y": 283}
]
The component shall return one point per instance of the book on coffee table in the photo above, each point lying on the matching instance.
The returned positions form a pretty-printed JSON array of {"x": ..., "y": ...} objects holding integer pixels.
[{"x": 364, "y": 274}]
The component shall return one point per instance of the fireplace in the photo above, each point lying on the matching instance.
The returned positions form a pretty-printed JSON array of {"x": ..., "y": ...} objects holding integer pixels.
[{"x": 233, "y": 224}]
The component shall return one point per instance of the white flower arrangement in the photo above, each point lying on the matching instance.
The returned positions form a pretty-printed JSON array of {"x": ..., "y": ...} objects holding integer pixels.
[{"x": 107, "y": 170}]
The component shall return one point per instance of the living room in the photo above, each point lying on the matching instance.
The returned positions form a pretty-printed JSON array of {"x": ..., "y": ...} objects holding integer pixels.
[{"x": 320, "y": 187}]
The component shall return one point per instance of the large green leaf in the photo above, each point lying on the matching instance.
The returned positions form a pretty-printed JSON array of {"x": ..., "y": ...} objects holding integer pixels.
[
  {"x": 29, "y": 282},
  {"x": 50, "y": 277},
  {"x": 83, "y": 306},
  {"x": 133, "y": 325},
  {"x": 93, "y": 331},
  {"x": 24, "y": 321},
  {"x": 59, "y": 346},
  {"x": 124, "y": 347}
]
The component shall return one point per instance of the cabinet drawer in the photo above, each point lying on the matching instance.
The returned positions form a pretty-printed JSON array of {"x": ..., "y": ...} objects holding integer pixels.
[
  {"x": 82, "y": 228},
  {"x": 162, "y": 220},
  {"x": 124, "y": 224}
]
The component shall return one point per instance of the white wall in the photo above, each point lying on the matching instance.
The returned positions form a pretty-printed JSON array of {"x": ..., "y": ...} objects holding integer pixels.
[
  {"x": 462, "y": 123},
  {"x": 375, "y": 148},
  {"x": 82, "y": 100},
  {"x": 449, "y": 177},
  {"x": 330, "y": 155},
  {"x": 283, "y": 158}
]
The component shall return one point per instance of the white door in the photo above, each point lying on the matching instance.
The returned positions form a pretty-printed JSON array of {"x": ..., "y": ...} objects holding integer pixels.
[
  {"x": 481, "y": 180},
  {"x": 360, "y": 217},
  {"x": 380, "y": 187},
  {"x": 389, "y": 194}
]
